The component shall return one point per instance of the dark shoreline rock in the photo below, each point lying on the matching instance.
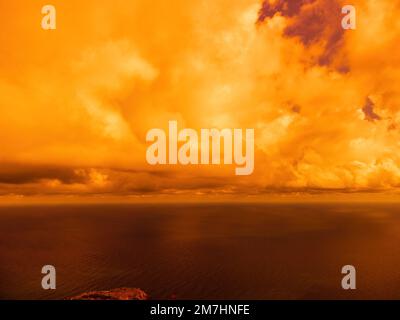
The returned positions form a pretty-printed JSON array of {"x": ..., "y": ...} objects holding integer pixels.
[{"x": 114, "y": 294}]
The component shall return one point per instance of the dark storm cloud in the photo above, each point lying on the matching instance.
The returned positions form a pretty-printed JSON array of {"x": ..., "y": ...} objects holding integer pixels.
[
  {"x": 369, "y": 112},
  {"x": 284, "y": 7},
  {"x": 28, "y": 173},
  {"x": 313, "y": 22}
]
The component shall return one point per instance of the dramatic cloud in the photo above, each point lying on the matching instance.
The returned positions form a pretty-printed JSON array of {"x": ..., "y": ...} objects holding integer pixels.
[
  {"x": 76, "y": 103},
  {"x": 368, "y": 110},
  {"x": 317, "y": 24}
]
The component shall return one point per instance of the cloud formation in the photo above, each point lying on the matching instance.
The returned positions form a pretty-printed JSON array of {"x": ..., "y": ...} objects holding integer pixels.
[
  {"x": 76, "y": 103},
  {"x": 316, "y": 23}
]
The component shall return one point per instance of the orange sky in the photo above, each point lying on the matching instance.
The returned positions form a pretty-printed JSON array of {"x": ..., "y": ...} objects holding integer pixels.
[{"x": 76, "y": 103}]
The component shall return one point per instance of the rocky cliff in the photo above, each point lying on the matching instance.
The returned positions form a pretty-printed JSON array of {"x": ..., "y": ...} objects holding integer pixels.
[{"x": 115, "y": 294}]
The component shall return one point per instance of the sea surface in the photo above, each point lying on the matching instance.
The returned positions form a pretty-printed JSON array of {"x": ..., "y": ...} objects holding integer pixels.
[{"x": 207, "y": 251}]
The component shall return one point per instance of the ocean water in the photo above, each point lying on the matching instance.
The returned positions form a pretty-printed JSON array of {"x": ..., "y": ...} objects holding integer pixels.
[{"x": 208, "y": 251}]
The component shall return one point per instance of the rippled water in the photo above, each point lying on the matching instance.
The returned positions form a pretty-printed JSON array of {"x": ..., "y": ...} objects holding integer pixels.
[{"x": 202, "y": 251}]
